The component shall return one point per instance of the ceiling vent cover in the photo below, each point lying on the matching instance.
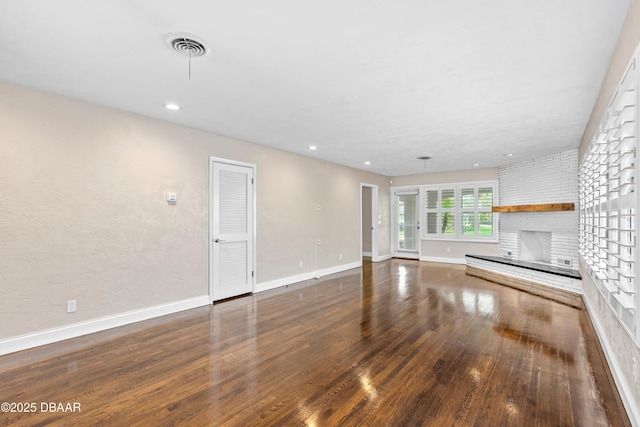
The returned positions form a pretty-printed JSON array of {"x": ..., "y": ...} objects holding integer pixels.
[{"x": 185, "y": 44}]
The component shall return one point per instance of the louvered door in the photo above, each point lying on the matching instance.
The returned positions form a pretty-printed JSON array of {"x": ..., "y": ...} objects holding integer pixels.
[{"x": 231, "y": 230}]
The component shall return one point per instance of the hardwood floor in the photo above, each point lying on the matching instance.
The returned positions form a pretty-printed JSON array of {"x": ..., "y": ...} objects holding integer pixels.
[{"x": 398, "y": 343}]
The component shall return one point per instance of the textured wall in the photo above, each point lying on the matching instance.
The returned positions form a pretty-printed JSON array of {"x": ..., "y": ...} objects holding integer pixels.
[
  {"x": 622, "y": 346},
  {"x": 83, "y": 213}
]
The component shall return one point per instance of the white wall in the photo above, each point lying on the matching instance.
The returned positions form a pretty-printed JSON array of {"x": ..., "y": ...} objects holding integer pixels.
[
  {"x": 83, "y": 213},
  {"x": 551, "y": 179}
]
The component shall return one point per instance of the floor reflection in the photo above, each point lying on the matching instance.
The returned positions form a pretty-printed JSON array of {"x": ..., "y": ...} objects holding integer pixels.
[
  {"x": 396, "y": 343},
  {"x": 434, "y": 306}
]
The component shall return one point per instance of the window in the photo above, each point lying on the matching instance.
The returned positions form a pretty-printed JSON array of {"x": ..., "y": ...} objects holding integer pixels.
[
  {"x": 609, "y": 204},
  {"x": 460, "y": 211}
]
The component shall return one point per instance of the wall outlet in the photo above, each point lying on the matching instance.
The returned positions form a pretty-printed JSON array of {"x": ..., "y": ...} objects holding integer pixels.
[
  {"x": 318, "y": 242},
  {"x": 448, "y": 250},
  {"x": 340, "y": 256},
  {"x": 71, "y": 306},
  {"x": 300, "y": 264}
]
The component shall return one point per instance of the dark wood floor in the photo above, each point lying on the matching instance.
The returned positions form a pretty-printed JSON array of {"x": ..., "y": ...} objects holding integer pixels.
[{"x": 400, "y": 343}]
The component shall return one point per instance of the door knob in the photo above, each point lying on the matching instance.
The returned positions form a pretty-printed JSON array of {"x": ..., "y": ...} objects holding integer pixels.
[{"x": 218, "y": 240}]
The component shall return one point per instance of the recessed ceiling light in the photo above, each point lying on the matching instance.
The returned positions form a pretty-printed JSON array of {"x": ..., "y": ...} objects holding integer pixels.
[
  {"x": 475, "y": 165},
  {"x": 171, "y": 106},
  {"x": 508, "y": 155},
  {"x": 367, "y": 163},
  {"x": 313, "y": 147}
]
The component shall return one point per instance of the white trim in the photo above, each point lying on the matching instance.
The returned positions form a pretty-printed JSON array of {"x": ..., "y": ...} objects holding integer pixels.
[
  {"x": 448, "y": 239},
  {"x": 405, "y": 189},
  {"x": 445, "y": 260},
  {"x": 406, "y": 255},
  {"x": 623, "y": 387},
  {"x": 265, "y": 286},
  {"x": 48, "y": 336},
  {"x": 381, "y": 258},
  {"x": 367, "y": 254},
  {"x": 254, "y": 268}
]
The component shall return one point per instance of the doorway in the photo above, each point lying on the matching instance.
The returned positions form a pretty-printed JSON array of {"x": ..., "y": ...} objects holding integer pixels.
[
  {"x": 369, "y": 221},
  {"x": 406, "y": 223},
  {"x": 231, "y": 228}
]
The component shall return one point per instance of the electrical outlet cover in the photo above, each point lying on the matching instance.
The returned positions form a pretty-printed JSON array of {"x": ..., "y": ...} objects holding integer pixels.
[{"x": 71, "y": 306}]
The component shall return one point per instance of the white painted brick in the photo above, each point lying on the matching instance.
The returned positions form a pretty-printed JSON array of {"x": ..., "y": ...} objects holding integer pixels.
[{"x": 551, "y": 179}]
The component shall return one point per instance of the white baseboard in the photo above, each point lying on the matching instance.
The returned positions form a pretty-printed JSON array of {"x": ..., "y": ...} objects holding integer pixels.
[
  {"x": 623, "y": 387},
  {"x": 367, "y": 254},
  {"x": 443, "y": 260},
  {"x": 48, "y": 336},
  {"x": 381, "y": 258},
  {"x": 265, "y": 286}
]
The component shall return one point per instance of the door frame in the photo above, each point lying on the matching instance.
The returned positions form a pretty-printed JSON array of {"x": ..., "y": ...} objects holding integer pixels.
[
  {"x": 394, "y": 221},
  {"x": 374, "y": 220},
  {"x": 252, "y": 166}
]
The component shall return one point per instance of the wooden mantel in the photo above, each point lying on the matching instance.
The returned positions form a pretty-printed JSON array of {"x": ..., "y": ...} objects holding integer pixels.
[{"x": 549, "y": 207}]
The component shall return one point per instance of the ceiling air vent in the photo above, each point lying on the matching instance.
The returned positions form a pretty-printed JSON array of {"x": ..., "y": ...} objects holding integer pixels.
[{"x": 185, "y": 44}]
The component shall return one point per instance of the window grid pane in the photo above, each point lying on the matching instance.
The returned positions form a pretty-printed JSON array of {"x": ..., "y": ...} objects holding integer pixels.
[
  {"x": 432, "y": 199},
  {"x": 468, "y": 199},
  {"x": 467, "y": 224},
  {"x": 448, "y": 199},
  {"x": 485, "y": 224},
  {"x": 485, "y": 197},
  {"x": 448, "y": 224}
]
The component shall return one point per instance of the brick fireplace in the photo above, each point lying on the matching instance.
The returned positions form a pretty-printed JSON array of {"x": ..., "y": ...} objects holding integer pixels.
[
  {"x": 538, "y": 250},
  {"x": 551, "y": 179}
]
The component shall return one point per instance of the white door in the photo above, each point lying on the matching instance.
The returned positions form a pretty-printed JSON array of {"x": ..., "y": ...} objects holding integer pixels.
[
  {"x": 407, "y": 225},
  {"x": 231, "y": 229}
]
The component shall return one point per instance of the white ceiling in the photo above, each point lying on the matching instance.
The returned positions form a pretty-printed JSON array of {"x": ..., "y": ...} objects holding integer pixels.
[{"x": 365, "y": 80}]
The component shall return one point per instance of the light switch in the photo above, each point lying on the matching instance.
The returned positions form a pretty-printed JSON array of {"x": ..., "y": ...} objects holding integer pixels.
[{"x": 171, "y": 197}]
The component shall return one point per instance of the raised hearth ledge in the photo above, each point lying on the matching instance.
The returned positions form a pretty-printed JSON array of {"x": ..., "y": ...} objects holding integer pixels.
[
  {"x": 559, "y": 284},
  {"x": 550, "y": 269}
]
